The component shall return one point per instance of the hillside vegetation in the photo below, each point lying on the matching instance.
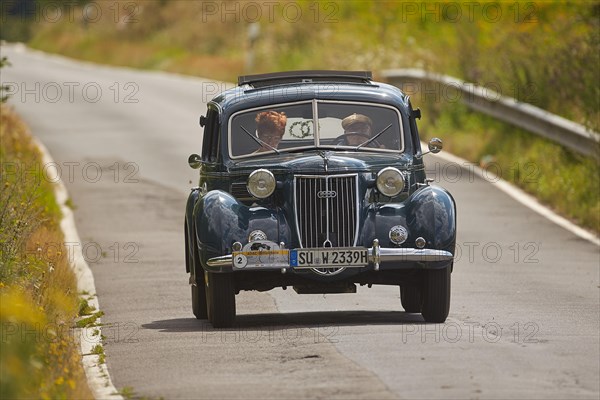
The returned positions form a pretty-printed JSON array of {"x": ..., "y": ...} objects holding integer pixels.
[{"x": 543, "y": 53}]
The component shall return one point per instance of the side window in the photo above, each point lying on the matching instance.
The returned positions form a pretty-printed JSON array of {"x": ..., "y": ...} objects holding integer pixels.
[{"x": 210, "y": 142}]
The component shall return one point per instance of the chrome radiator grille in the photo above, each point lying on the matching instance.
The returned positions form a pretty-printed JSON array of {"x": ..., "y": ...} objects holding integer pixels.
[{"x": 326, "y": 210}]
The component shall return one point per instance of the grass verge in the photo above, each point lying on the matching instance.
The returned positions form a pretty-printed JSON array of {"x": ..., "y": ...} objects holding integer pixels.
[
  {"x": 563, "y": 180},
  {"x": 38, "y": 293}
]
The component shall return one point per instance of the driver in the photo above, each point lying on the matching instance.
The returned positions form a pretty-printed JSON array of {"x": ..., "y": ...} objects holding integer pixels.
[
  {"x": 270, "y": 127},
  {"x": 358, "y": 128}
]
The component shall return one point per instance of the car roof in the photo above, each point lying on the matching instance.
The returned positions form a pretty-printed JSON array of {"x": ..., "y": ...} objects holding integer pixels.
[
  {"x": 293, "y": 86},
  {"x": 305, "y": 76}
]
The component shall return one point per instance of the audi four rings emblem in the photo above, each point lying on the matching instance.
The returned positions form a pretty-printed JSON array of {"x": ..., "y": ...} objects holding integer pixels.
[{"x": 326, "y": 194}]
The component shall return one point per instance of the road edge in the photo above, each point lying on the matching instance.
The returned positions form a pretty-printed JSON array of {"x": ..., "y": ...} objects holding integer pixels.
[
  {"x": 97, "y": 374},
  {"x": 518, "y": 194}
]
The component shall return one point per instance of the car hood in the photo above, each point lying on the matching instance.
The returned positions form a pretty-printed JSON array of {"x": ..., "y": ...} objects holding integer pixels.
[{"x": 323, "y": 162}]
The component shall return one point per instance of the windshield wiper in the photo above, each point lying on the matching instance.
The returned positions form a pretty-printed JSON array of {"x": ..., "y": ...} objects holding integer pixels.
[
  {"x": 257, "y": 140},
  {"x": 373, "y": 138}
]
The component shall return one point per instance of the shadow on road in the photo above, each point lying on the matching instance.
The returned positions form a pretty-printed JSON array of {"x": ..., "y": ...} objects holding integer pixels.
[{"x": 277, "y": 321}]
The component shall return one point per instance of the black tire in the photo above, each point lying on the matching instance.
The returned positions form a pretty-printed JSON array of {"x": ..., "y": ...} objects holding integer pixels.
[
  {"x": 436, "y": 295},
  {"x": 199, "y": 301},
  {"x": 220, "y": 299},
  {"x": 192, "y": 260},
  {"x": 410, "y": 297}
]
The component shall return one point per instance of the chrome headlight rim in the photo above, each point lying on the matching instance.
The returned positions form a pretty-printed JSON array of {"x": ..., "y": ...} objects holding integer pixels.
[
  {"x": 261, "y": 183},
  {"x": 397, "y": 180}
]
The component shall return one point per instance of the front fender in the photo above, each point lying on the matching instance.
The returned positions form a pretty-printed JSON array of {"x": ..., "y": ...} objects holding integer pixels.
[
  {"x": 189, "y": 228},
  {"x": 429, "y": 213},
  {"x": 220, "y": 220}
]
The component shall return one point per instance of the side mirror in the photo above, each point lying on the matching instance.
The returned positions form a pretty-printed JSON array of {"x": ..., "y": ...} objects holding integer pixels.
[
  {"x": 416, "y": 114},
  {"x": 202, "y": 121},
  {"x": 435, "y": 145},
  {"x": 194, "y": 161}
]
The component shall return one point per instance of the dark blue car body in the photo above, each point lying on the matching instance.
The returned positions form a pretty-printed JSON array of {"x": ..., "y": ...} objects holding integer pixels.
[{"x": 326, "y": 197}]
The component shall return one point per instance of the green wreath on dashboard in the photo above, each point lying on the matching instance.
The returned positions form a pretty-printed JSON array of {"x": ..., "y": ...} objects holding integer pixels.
[{"x": 304, "y": 129}]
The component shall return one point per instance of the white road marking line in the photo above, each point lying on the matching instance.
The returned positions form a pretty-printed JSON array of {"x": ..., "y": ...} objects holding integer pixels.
[{"x": 97, "y": 374}]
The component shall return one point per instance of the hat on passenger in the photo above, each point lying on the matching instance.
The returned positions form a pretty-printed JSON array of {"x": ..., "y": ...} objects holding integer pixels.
[{"x": 354, "y": 119}]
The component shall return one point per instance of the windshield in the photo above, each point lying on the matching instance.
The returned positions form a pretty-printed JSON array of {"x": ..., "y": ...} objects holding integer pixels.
[{"x": 315, "y": 124}]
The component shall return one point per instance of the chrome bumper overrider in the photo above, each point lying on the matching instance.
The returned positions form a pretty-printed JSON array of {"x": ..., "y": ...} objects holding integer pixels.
[{"x": 376, "y": 254}]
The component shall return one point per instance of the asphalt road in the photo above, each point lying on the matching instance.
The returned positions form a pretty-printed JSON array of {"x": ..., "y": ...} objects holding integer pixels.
[{"x": 524, "y": 319}]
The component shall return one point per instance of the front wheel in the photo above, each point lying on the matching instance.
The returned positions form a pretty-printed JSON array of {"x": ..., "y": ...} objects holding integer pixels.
[
  {"x": 220, "y": 299},
  {"x": 198, "y": 287},
  {"x": 436, "y": 295},
  {"x": 410, "y": 297},
  {"x": 199, "y": 301}
]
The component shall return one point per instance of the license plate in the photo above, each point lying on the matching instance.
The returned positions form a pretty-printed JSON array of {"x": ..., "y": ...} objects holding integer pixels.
[
  {"x": 330, "y": 257},
  {"x": 260, "y": 259}
]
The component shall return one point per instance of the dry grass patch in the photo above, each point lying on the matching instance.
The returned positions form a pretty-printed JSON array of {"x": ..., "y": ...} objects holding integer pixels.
[{"x": 38, "y": 293}]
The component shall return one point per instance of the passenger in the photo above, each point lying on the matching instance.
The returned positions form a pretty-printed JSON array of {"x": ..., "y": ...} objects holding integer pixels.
[
  {"x": 358, "y": 128},
  {"x": 270, "y": 127}
]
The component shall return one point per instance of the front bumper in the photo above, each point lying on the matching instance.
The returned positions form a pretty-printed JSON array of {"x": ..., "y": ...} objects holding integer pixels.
[{"x": 398, "y": 258}]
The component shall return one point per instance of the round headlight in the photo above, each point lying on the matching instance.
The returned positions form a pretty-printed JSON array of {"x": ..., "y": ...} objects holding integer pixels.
[
  {"x": 390, "y": 181},
  {"x": 261, "y": 183}
]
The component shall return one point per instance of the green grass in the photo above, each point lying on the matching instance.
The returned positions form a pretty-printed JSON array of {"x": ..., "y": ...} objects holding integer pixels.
[
  {"x": 89, "y": 321},
  {"x": 84, "y": 308},
  {"x": 99, "y": 351}
]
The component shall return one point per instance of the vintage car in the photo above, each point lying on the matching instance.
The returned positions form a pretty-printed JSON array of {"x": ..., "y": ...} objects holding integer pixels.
[{"x": 304, "y": 206}]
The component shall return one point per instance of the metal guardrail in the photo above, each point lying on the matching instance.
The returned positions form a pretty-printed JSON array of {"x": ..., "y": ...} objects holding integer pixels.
[{"x": 558, "y": 129}]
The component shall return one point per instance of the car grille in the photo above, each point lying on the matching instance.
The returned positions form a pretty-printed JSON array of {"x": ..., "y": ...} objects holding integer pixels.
[
  {"x": 326, "y": 210},
  {"x": 240, "y": 191}
]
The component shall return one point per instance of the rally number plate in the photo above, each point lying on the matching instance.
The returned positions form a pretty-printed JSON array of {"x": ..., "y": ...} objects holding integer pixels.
[{"x": 260, "y": 259}]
